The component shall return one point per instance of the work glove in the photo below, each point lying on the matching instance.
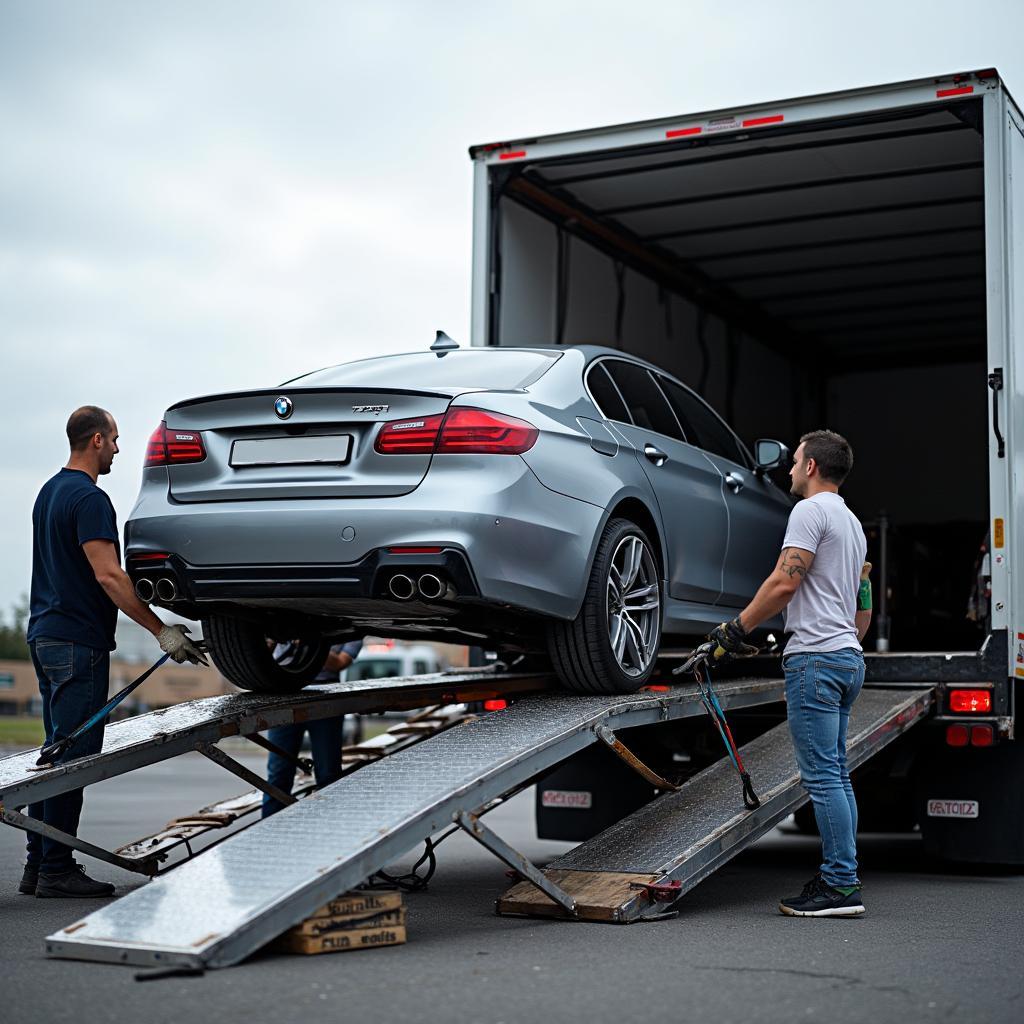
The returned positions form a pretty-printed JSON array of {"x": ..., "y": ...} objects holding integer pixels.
[
  {"x": 731, "y": 641},
  {"x": 174, "y": 641}
]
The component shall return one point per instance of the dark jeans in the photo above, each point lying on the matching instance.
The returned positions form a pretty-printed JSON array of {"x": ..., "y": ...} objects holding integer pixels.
[
  {"x": 325, "y": 738},
  {"x": 820, "y": 690},
  {"x": 73, "y": 681}
]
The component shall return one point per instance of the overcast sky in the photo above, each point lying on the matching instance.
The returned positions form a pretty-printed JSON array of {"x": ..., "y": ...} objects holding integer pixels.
[{"x": 197, "y": 197}]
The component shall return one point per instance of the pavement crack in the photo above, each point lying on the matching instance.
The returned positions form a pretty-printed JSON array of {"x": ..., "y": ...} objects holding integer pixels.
[{"x": 846, "y": 979}]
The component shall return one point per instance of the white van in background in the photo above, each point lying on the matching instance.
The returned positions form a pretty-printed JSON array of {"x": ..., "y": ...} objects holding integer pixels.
[{"x": 381, "y": 660}]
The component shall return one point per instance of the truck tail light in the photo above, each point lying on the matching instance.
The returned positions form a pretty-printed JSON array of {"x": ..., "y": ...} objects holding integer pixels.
[
  {"x": 982, "y": 735},
  {"x": 170, "y": 447},
  {"x": 970, "y": 701},
  {"x": 468, "y": 431},
  {"x": 957, "y": 735},
  {"x": 495, "y": 704}
]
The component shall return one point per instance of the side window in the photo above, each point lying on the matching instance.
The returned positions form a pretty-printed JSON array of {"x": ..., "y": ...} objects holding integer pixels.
[
  {"x": 607, "y": 398},
  {"x": 644, "y": 398},
  {"x": 702, "y": 424}
]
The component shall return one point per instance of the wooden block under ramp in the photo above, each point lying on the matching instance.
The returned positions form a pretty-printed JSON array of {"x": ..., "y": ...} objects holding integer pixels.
[
  {"x": 326, "y": 935},
  {"x": 599, "y": 895},
  {"x": 360, "y": 903}
]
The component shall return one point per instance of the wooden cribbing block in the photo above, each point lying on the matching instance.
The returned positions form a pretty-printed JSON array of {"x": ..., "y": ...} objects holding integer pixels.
[
  {"x": 387, "y": 929},
  {"x": 360, "y": 903}
]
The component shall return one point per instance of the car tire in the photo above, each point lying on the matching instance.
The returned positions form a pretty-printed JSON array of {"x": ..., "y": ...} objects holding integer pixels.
[
  {"x": 591, "y": 654},
  {"x": 239, "y": 650}
]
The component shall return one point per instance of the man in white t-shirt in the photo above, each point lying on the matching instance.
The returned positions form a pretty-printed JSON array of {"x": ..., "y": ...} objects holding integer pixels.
[{"x": 828, "y": 610}]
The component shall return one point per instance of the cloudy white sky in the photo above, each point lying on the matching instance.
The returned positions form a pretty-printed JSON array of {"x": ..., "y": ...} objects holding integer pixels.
[{"x": 197, "y": 197}]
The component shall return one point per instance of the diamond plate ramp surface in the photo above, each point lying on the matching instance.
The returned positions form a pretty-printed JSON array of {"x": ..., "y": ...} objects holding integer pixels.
[
  {"x": 227, "y": 902},
  {"x": 157, "y": 735},
  {"x": 688, "y": 834}
]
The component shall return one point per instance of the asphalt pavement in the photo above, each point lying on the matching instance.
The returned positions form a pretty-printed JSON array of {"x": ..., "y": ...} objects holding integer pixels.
[{"x": 935, "y": 944}]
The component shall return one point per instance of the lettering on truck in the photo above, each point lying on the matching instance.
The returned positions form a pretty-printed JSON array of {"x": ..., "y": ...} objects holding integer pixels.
[
  {"x": 952, "y": 808},
  {"x": 576, "y": 799}
]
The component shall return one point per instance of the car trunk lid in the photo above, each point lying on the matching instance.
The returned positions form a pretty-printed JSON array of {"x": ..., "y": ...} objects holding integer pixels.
[{"x": 322, "y": 447}]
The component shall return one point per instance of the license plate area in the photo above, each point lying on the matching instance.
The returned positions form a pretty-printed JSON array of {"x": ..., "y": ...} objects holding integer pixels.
[{"x": 324, "y": 449}]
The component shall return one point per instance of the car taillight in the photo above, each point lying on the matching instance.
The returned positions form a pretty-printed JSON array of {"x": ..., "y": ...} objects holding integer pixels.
[
  {"x": 170, "y": 447},
  {"x": 409, "y": 437},
  {"x": 485, "y": 433},
  {"x": 970, "y": 701},
  {"x": 465, "y": 431}
]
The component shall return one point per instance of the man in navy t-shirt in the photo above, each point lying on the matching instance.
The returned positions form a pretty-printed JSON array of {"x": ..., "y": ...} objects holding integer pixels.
[{"x": 78, "y": 586}]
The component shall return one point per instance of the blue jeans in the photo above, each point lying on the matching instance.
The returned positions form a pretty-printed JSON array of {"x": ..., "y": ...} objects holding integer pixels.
[
  {"x": 820, "y": 690},
  {"x": 324, "y": 736},
  {"x": 73, "y": 682}
]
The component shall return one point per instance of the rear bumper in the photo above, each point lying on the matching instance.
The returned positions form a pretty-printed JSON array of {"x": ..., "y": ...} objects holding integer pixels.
[
  {"x": 366, "y": 579},
  {"x": 510, "y": 540}
]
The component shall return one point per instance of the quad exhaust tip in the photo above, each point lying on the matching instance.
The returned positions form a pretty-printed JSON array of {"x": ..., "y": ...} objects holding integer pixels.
[
  {"x": 144, "y": 590},
  {"x": 430, "y": 586},
  {"x": 401, "y": 586},
  {"x": 166, "y": 589}
]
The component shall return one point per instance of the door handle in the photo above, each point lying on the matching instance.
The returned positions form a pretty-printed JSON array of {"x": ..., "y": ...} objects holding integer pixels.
[
  {"x": 656, "y": 455},
  {"x": 735, "y": 482}
]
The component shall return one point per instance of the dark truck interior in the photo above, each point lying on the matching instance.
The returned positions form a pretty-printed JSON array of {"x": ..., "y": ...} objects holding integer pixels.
[{"x": 828, "y": 274}]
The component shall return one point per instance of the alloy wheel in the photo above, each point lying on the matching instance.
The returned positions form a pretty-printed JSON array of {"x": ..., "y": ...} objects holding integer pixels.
[{"x": 634, "y": 606}]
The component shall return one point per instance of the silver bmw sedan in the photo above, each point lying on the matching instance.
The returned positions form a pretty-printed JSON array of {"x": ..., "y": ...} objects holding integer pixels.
[{"x": 574, "y": 504}]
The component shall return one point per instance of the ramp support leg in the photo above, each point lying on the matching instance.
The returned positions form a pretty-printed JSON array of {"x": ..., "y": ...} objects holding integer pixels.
[
  {"x": 474, "y": 827},
  {"x": 617, "y": 747},
  {"x": 304, "y": 764},
  {"x": 147, "y": 866},
  {"x": 218, "y": 756}
]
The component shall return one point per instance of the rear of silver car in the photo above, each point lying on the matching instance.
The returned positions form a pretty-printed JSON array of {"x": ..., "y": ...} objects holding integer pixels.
[{"x": 321, "y": 510}]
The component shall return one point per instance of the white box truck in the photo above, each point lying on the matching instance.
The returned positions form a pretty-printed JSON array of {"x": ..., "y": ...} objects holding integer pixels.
[{"x": 853, "y": 261}]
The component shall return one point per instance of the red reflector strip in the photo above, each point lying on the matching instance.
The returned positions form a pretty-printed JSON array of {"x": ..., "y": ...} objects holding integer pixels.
[
  {"x": 414, "y": 551},
  {"x": 970, "y": 701},
  {"x": 957, "y": 735},
  {"x": 156, "y": 557},
  {"x": 982, "y": 736},
  {"x": 514, "y": 155},
  {"x": 753, "y": 122},
  {"x": 962, "y": 90},
  {"x": 495, "y": 705},
  {"x": 676, "y": 133}
]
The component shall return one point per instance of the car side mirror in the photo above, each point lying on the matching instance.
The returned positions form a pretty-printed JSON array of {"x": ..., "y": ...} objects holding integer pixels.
[{"x": 769, "y": 454}]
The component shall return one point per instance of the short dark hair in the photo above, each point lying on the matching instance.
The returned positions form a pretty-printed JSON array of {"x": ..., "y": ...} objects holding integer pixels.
[
  {"x": 831, "y": 452},
  {"x": 84, "y": 423}
]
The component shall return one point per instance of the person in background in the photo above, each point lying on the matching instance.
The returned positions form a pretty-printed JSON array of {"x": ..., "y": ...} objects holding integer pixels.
[{"x": 325, "y": 734}]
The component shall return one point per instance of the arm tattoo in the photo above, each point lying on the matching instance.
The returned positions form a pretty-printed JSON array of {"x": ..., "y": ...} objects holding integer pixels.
[{"x": 792, "y": 563}]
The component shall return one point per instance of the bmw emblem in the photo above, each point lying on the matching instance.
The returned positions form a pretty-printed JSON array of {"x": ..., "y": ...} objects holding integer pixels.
[{"x": 283, "y": 407}]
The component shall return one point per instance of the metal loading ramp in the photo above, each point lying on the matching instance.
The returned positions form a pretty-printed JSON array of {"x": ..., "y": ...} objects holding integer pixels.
[
  {"x": 636, "y": 867},
  {"x": 230, "y": 900},
  {"x": 199, "y": 724}
]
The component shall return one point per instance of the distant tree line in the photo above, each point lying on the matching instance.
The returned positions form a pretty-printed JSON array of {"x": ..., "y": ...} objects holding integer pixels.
[{"x": 12, "y": 633}]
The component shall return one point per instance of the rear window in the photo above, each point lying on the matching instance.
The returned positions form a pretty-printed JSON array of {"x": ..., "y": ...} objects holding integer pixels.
[
  {"x": 491, "y": 368},
  {"x": 646, "y": 403}
]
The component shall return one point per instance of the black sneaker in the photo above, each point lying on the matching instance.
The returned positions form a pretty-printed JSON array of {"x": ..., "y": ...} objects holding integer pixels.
[
  {"x": 29, "y": 878},
  {"x": 73, "y": 883},
  {"x": 819, "y": 899}
]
